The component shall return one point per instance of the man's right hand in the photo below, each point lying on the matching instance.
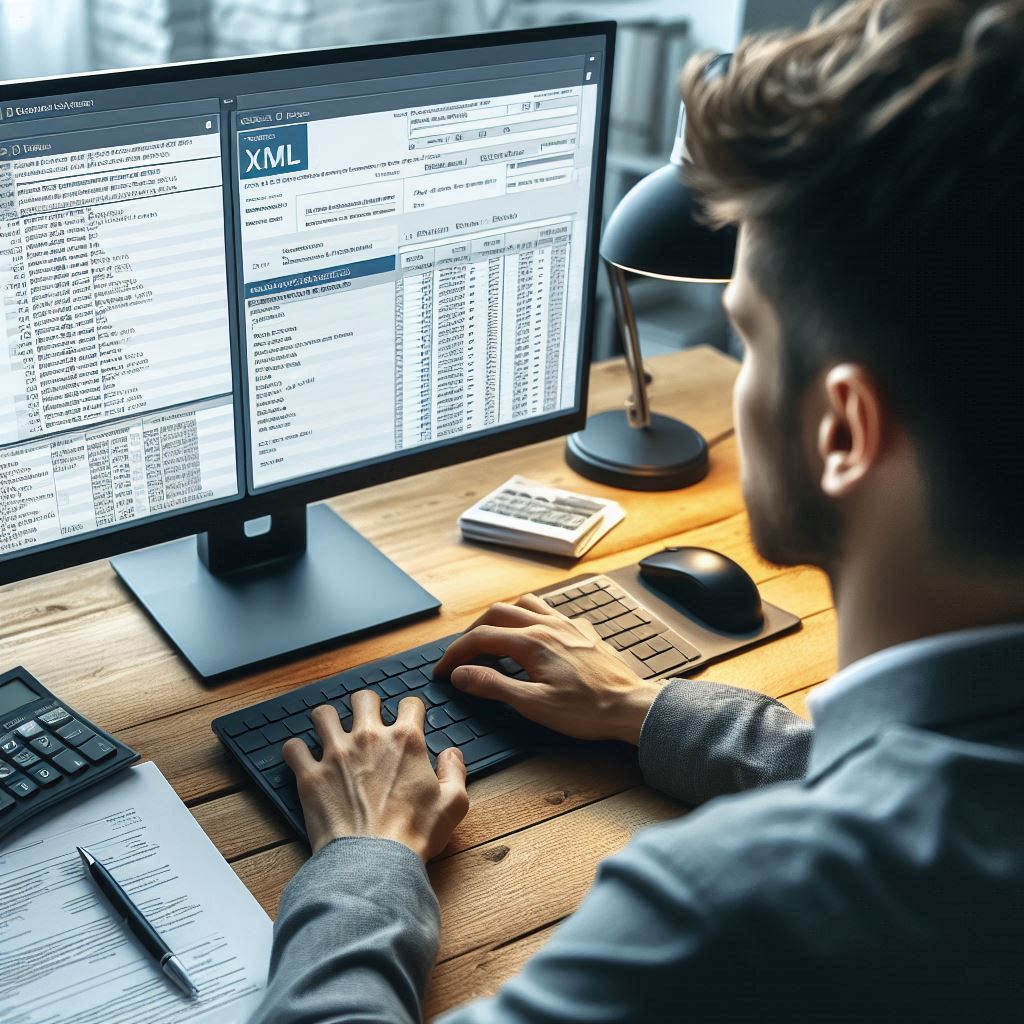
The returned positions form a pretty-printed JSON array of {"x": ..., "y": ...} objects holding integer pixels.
[{"x": 578, "y": 684}]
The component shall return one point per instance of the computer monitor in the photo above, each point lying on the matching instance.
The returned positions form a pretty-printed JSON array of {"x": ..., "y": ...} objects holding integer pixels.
[{"x": 235, "y": 287}]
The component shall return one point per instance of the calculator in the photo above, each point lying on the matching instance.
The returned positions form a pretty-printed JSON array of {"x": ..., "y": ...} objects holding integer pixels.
[{"x": 48, "y": 751}]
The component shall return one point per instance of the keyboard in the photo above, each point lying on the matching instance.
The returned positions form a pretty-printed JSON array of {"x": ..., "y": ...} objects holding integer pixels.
[
  {"x": 489, "y": 734},
  {"x": 48, "y": 751}
]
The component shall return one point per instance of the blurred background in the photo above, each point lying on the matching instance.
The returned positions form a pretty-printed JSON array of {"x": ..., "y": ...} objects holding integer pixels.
[{"x": 40, "y": 38}]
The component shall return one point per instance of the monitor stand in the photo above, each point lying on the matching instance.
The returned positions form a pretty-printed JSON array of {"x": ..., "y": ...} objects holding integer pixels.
[{"x": 228, "y": 599}]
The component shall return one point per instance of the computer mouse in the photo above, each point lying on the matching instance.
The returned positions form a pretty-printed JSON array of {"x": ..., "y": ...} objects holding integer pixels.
[{"x": 708, "y": 585}]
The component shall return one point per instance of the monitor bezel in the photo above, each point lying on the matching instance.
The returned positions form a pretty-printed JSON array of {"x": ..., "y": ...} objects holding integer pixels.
[{"x": 246, "y": 506}]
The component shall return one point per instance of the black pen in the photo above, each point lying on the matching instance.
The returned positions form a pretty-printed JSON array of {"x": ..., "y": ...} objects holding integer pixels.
[{"x": 137, "y": 923}]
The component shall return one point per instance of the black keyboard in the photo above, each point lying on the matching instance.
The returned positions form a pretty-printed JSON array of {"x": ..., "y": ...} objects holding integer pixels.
[
  {"x": 488, "y": 734},
  {"x": 48, "y": 751}
]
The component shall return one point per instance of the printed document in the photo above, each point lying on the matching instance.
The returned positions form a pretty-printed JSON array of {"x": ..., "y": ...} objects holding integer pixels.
[{"x": 66, "y": 959}]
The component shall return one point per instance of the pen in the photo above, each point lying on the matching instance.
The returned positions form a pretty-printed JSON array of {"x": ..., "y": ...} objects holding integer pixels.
[{"x": 137, "y": 923}]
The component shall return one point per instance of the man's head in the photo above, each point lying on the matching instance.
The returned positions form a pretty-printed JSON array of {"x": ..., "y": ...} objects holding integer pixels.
[{"x": 875, "y": 165}]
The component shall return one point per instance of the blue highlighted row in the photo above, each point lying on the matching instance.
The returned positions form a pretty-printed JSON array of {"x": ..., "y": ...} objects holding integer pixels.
[{"x": 313, "y": 278}]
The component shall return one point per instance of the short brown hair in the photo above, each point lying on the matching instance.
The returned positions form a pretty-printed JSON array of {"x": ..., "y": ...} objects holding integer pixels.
[{"x": 879, "y": 157}]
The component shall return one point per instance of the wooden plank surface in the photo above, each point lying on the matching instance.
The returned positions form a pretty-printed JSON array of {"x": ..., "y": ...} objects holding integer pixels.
[{"x": 529, "y": 846}]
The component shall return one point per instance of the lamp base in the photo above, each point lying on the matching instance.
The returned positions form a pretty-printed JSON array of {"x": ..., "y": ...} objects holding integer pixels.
[{"x": 662, "y": 457}]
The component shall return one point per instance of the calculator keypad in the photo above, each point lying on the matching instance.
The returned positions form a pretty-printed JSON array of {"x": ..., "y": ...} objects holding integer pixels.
[{"x": 50, "y": 756}]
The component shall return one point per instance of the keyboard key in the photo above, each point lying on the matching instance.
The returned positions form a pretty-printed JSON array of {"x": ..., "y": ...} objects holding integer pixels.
[
  {"x": 23, "y": 787},
  {"x": 279, "y": 776},
  {"x": 617, "y": 592},
  {"x": 29, "y": 729},
  {"x": 456, "y": 710},
  {"x": 437, "y": 718},
  {"x": 274, "y": 712},
  {"x": 57, "y": 716},
  {"x": 353, "y": 681},
  {"x": 683, "y": 647},
  {"x": 606, "y": 630},
  {"x": 459, "y": 733},
  {"x": 293, "y": 705},
  {"x": 573, "y": 593},
  {"x": 554, "y": 600},
  {"x": 484, "y": 746},
  {"x": 235, "y": 727},
  {"x": 6, "y": 802},
  {"x": 659, "y": 643},
  {"x": 585, "y": 603},
  {"x": 391, "y": 667},
  {"x": 268, "y": 757},
  {"x": 276, "y": 732},
  {"x": 6, "y": 770},
  {"x": 250, "y": 741},
  {"x": 572, "y": 609},
  {"x": 253, "y": 719},
  {"x": 10, "y": 746},
  {"x": 615, "y": 608},
  {"x": 46, "y": 744},
  {"x": 596, "y": 616},
  {"x": 433, "y": 652},
  {"x": 643, "y": 650},
  {"x": 394, "y": 685},
  {"x": 590, "y": 587},
  {"x": 649, "y": 630},
  {"x": 369, "y": 675},
  {"x": 435, "y": 693},
  {"x": 413, "y": 659},
  {"x": 666, "y": 661},
  {"x": 601, "y": 598},
  {"x": 437, "y": 741},
  {"x": 98, "y": 749},
  {"x": 45, "y": 774},
  {"x": 628, "y": 602},
  {"x": 296, "y": 724},
  {"x": 24, "y": 758},
  {"x": 332, "y": 689},
  {"x": 630, "y": 621},
  {"x": 70, "y": 762},
  {"x": 413, "y": 679},
  {"x": 314, "y": 698}
]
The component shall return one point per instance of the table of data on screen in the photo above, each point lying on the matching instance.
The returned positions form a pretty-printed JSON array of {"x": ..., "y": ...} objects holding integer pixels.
[{"x": 115, "y": 358}]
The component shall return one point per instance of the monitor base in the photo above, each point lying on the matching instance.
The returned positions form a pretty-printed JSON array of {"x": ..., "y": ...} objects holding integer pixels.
[{"x": 339, "y": 586}]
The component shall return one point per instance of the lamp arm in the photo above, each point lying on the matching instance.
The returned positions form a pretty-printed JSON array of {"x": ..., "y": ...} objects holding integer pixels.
[{"x": 638, "y": 407}]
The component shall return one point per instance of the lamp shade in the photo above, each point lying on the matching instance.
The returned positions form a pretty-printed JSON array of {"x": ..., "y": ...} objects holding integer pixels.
[{"x": 654, "y": 231}]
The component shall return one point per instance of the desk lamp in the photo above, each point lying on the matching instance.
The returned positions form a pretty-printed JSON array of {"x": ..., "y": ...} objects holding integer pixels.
[{"x": 654, "y": 232}]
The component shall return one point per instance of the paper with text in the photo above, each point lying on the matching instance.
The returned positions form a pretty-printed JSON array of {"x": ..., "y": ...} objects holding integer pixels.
[{"x": 66, "y": 959}]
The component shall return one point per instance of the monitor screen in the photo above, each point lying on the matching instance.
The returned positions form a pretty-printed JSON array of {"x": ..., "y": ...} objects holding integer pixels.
[{"x": 225, "y": 285}]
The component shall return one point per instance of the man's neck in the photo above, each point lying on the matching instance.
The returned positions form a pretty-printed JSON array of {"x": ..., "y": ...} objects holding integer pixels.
[{"x": 879, "y": 605}]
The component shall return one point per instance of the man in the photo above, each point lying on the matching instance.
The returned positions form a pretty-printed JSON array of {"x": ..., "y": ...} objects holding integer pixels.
[{"x": 872, "y": 867}]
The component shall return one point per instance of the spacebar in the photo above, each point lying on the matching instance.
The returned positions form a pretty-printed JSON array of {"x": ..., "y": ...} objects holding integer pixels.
[{"x": 485, "y": 746}]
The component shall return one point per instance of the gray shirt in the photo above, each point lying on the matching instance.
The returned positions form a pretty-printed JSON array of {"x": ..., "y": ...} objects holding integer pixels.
[{"x": 872, "y": 868}]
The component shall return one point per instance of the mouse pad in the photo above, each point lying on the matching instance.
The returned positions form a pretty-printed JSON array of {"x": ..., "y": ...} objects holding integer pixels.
[{"x": 713, "y": 644}]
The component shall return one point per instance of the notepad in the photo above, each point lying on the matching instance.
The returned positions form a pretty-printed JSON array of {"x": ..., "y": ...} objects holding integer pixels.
[{"x": 64, "y": 957}]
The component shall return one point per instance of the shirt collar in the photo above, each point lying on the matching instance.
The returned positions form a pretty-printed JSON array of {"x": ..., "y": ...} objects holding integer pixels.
[{"x": 928, "y": 683}]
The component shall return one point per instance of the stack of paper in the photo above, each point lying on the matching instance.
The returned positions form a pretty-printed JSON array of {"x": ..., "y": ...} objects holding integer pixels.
[
  {"x": 65, "y": 957},
  {"x": 527, "y": 514}
]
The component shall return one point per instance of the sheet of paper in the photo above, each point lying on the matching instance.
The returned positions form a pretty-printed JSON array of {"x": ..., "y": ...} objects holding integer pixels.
[{"x": 65, "y": 958}]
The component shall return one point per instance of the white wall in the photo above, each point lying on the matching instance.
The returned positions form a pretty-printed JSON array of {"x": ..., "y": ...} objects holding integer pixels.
[{"x": 715, "y": 23}]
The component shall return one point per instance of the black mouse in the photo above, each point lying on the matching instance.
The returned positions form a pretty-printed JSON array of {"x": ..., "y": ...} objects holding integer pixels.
[{"x": 707, "y": 584}]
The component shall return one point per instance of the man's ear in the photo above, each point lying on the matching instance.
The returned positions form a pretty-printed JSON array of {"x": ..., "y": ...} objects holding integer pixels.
[{"x": 851, "y": 429}]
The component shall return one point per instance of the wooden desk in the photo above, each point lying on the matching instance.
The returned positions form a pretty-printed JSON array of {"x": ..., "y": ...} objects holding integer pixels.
[{"x": 527, "y": 851}]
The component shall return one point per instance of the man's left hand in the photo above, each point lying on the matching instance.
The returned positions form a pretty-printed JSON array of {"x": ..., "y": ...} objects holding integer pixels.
[{"x": 376, "y": 780}]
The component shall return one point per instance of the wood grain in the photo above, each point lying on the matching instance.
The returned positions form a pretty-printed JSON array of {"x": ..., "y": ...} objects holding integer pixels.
[{"x": 527, "y": 851}]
